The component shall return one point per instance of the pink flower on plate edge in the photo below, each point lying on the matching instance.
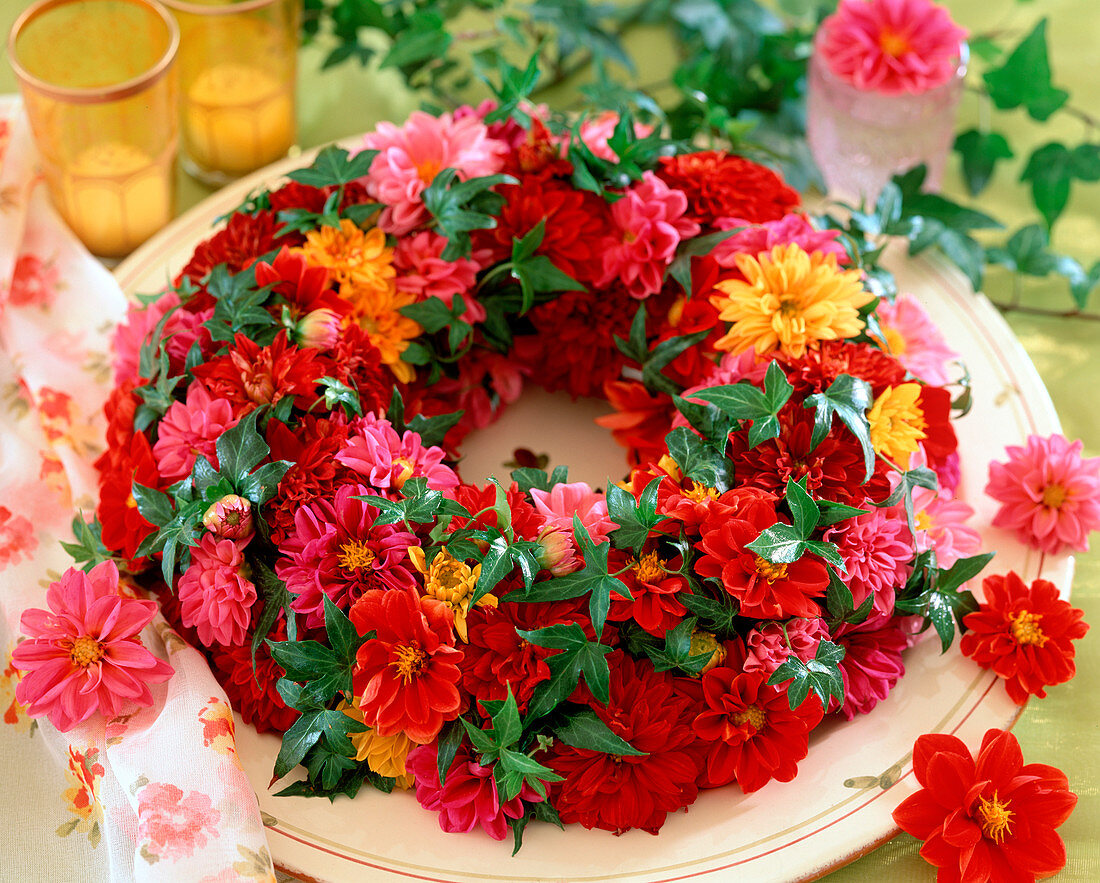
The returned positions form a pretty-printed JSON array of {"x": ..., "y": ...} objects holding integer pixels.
[
  {"x": 84, "y": 654},
  {"x": 1049, "y": 493},
  {"x": 891, "y": 46}
]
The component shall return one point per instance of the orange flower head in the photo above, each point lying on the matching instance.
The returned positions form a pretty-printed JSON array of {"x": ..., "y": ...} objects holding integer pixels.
[
  {"x": 897, "y": 423},
  {"x": 352, "y": 256},
  {"x": 453, "y": 582},
  {"x": 788, "y": 301}
]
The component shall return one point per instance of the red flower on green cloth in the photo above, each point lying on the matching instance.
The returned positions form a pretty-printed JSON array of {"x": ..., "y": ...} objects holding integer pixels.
[
  {"x": 1025, "y": 634},
  {"x": 756, "y": 736},
  {"x": 406, "y": 677},
  {"x": 989, "y": 818}
]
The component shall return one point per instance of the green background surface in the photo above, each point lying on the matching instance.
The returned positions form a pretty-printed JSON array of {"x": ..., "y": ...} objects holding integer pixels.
[{"x": 1061, "y": 730}]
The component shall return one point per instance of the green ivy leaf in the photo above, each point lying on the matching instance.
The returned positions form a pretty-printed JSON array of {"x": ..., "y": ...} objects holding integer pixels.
[
  {"x": 1049, "y": 169},
  {"x": 334, "y": 166},
  {"x": 847, "y": 398},
  {"x": 698, "y": 460},
  {"x": 636, "y": 518},
  {"x": 583, "y": 729},
  {"x": 980, "y": 153},
  {"x": 1024, "y": 80},
  {"x": 578, "y": 656},
  {"x": 821, "y": 675},
  {"x": 426, "y": 39},
  {"x": 744, "y": 401},
  {"x": 461, "y": 206}
]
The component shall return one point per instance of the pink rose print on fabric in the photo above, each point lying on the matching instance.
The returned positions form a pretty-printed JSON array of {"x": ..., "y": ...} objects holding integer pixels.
[
  {"x": 34, "y": 282},
  {"x": 17, "y": 539},
  {"x": 172, "y": 825}
]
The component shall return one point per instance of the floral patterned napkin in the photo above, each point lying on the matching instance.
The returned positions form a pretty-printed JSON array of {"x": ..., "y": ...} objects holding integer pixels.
[{"x": 157, "y": 793}]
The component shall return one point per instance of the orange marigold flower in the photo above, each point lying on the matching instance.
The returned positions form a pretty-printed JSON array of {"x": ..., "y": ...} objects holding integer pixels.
[
  {"x": 385, "y": 755},
  {"x": 986, "y": 818},
  {"x": 788, "y": 300},
  {"x": 389, "y": 331},
  {"x": 453, "y": 582},
  {"x": 1025, "y": 634},
  {"x": 897, "y": 423},
  {"x": 352, "y": 255}
]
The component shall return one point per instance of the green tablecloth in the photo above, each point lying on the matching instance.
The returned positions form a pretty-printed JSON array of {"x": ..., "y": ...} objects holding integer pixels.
[{"x": 1061, "y": 730}]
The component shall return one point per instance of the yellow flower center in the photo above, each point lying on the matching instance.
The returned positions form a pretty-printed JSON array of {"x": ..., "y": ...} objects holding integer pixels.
[
  {"x": 450, "y": 580},
  {"x": 770, "y": 570},
  {"x": 1054, "y": 495},
  {"x": 1025, "y": 628},
  {"x": 922, "y": 520},
  {"x": 895, "y": 343},
  {"x": 753, "y": 715},
  {"x": 897, "y": 423},
  {"x": 995, "y": 818},
  {"x": 410, "y": 662},
  {"x": 86, "y": 651},
  {"x": 892, "y": 43},
  {"x": 355, "y": 555},
  {"x": 700, "y": 493},
  {"x": 427, "y": 170},
  {"x": 649, "y": 568}
]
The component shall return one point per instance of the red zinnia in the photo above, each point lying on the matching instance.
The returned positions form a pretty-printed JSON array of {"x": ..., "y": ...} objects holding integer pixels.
[
  {"x": 757, "y": 736},
  {"x": 406, "y": 677},
  {"x": 720, "y": 185},
  {"x": 763, "y": 589},
  {"x": 615, "y": 792},
  {"x": 1024, "y": 634},
  {"x": 986, "y": 818}
]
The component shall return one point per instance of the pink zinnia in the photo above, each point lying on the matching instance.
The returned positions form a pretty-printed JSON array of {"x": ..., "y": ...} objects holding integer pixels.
[
  {"x": 84, "y": 654},
  {"x": 877, "y": 548},
  {"x": 757, "y": 238},
  {"x": 891, "y": 46},
  {"x": 767, "y": 645},
  {"x": 558, "y": 506},
  {"x": 872, "y": 662},
  {"x": 336, "y": 550},
  {"x": 189, "y": 429},
  {"x": 469, "y": 796},
  {"x": 214, "y": 595},
  {"x": 913, "y": 339},
  {"x": 1050, "y": 494},
  {"x": 387, "y": 460},
  {"x": 940, "y": 522},
  {"x": 649, "y": 226},
  {"x": 422, "y": 271},
  {"x": 411, "y": 156}
]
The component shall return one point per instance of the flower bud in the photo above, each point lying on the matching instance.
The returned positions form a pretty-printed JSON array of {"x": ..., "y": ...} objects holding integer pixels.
[
  {"x": 230, "y": 517},
  {"x": 706, "y": 642},
  {"x": 557, "y": 553},
  {"x": 318, "y": 328}
]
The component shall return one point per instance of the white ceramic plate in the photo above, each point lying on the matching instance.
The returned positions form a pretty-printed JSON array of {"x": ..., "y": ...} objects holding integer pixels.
[{"x": 837, "y": 809}]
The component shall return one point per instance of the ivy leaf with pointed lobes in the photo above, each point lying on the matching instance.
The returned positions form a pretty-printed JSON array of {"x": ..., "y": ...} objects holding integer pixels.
[
  {"x": 923, "y": 477},
  {"x": 579, "y": 656},
  {"x": 744, "y": 401},
  {"x": 820, "y": 675},
  {"x": 1024, "y": 80},
  {"x": 980, "y": 153},
  {"x": 527, "y": 477},
  {"x": 334, "y": 167},
  {"x": 697, "y": 246},
  {"x": 848, "y": 398},
  {"x": 786, "y": 543},
  {"x": 461, "y": 206},
  {"x": 584, "y": 729},
  {"x": 329, "y": 724},
  {"x": 636, "y": 518},
  {"x": 1049, "y": 170},
  {"x": 535, "y": 272},
  {"x": 699, "y": 460}
]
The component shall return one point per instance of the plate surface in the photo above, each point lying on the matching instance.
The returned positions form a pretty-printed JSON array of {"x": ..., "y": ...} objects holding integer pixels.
[{"x": 837, "y": 809}]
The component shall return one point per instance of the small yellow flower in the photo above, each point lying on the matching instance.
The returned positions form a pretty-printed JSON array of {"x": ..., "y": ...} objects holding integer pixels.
[
  {"x": 385, "y": 755},
  {"x": 452, "y": 582},
  {"x": 353, "y": 256},
  {"x": 791, "y": 300},
  {"x": 897, "y": 423}
]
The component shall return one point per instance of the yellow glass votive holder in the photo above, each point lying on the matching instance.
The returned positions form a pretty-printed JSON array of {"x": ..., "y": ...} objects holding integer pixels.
[
  {"x": 238, "y": 68},
  {"x": 98, "y": 82}
]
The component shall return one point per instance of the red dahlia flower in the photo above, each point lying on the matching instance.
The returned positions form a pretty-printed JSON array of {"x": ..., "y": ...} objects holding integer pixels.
[
  {"x": 986, "y": 818},
  {"x": 634, "y": 791},
  {"x": 720, "y": 185},
  {"x": 406, "y": 677},
  {"x": 640, "y": 421},
  {"x": 756, "y": 735},
  {"x": 243, "y": 239},
  {"x": 1024, "y": 634},
  {"x": 124, "y": 527},
  {"x": 251, "y": 690}
]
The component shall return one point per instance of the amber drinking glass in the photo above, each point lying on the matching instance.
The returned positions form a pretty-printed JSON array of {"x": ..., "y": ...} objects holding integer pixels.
[
  {"x": 98, "y": 83},
  {"x": 238, "y": 63}
]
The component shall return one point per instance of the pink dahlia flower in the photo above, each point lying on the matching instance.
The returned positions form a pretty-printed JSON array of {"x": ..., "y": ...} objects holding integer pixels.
[
  {"x": 181, "y": 330},
  {"x": 409, "y": 158},
  {"x": 872, "y": 662},
  {"x": 912, "y": 338},
  {"x": 891, "y": 46},
  {"x": 189, "y": 429},
  {"x": 756, "y": 238},
  {"x": 421, "y": 271},
  {"x": 469, "y": 797},
  {"x": 767, "y": 647},
  {"x": 940, "y": 522},
  {"x": 597, "y": 131},
  {"x": 214, "y": 595},
  {"x": 387, "y": 460},
  {"x": 1049, "y": 493},
  {"x": 336, "y": 550},
  {"x": 649, "y": 224},
  {"x": 558, "y": 506},
  {"x": 877, "y": 549},
  {"x": 84, "y": 654}
]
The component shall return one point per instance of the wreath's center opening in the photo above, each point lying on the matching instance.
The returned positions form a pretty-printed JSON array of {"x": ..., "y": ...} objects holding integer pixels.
[{"x": 550, "y": 425}]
